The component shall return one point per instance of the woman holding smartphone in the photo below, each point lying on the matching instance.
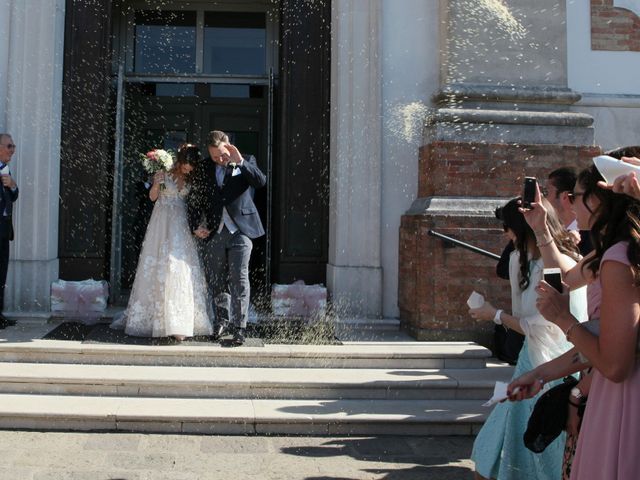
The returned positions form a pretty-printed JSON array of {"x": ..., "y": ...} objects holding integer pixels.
[
  {"x": 499, "y": 451},
  {"x": 610, "y": 428}
]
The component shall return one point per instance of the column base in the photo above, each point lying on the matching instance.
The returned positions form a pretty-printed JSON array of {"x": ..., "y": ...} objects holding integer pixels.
[
  {"x": 356, "y": 291},
  {"x": 29, "y": 286}
]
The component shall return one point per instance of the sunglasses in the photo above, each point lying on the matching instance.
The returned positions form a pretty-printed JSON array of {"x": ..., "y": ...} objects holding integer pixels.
[
  {"x": 10, "y": 146},
  {"x": 573, "y": 196}
]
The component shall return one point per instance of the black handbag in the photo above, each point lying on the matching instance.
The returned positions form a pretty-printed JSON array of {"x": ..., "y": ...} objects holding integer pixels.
[
  {"x": 549, "y": 416},
  {"x": 507, "y": 344}
]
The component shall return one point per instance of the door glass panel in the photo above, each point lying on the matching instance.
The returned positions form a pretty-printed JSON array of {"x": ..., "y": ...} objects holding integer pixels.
[
  {"x": 235, "y": 43},
  {"x": 225, "y": 90},
  {"x": 160, "y": 122},
  {"x": 165, "y": 41},
  {"x": 175, "y": 90}
]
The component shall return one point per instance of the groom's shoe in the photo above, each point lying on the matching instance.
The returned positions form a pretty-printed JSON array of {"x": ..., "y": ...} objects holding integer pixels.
[
  {"x": 6, "y": 322},
  {"x": 239, "y": 337}
]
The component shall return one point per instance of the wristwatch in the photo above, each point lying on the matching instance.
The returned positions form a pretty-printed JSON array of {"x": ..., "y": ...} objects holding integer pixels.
[{"x": 577, "y": 396}]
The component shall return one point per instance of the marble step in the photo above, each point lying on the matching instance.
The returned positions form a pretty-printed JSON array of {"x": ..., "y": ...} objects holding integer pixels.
[
  {"x": 242, "y": 416},
  {"x": 24, "y": 344},
  {"x": 249, "y": 383}
]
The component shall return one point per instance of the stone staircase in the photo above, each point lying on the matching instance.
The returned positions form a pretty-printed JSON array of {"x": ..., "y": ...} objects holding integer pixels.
[{"x": 386, "y": 384}]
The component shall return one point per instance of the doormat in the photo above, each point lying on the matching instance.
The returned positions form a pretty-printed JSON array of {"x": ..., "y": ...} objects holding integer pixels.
[
  {"x": 73, "y": 331},
  {"x": 288, "y": 331},
  {"x": 102, "y": 333}
]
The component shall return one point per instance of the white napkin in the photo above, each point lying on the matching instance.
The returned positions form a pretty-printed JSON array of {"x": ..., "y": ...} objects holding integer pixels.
[
  {"x": 611, "y": 168},
  {"x": 475, "y": 300}
]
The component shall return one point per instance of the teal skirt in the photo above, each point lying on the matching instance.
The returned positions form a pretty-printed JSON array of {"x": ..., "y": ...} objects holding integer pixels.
[{"x": 499, "y": 450}]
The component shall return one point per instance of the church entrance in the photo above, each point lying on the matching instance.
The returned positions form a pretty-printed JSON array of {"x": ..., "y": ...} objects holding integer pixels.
[{"x": 172, "y": 92}]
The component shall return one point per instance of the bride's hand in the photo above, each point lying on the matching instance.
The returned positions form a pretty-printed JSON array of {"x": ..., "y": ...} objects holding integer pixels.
[{"x": 158, "y": 178}]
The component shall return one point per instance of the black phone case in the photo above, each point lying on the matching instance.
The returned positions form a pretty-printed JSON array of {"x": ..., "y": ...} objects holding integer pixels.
[
  {"x": 529, "y": 191},
  {"x": 555, "y": 280}
]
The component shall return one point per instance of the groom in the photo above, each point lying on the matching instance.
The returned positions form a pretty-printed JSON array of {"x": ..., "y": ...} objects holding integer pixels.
[{"x": 225, "y": 219}]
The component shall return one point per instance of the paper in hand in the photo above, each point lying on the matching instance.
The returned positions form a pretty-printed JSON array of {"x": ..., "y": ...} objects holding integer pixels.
[
  {"x": 499, "y": 394},
  {"x": 475, "y": 300}
]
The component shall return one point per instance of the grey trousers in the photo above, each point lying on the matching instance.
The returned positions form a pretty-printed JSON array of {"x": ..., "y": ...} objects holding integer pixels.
[{"x": 225, "y": 259}]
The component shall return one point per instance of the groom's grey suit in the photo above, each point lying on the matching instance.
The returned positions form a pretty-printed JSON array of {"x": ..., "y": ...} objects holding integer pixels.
[{"x": 222, "y": 199}]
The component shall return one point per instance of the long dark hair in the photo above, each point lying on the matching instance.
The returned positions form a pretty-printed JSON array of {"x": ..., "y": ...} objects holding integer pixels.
[
  {"x": 189, "y": 154},
  {"x": 615, "y": 219},
  {"x": 514, "y": 220}
]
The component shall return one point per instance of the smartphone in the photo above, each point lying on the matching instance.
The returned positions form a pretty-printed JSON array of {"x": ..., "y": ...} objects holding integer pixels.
[
  {"x": 553, "y": 277},
  {"x": 529, "y": 191}
]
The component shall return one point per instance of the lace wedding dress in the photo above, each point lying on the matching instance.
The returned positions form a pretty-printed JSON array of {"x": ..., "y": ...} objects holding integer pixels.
[{"x": 169, "y": 295}]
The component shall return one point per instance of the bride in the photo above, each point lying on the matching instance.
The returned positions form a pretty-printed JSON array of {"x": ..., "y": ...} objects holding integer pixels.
[{"x": 168, "y": 297}]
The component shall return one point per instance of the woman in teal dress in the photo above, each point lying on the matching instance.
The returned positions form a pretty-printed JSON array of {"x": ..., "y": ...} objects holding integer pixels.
[{"x": 499, "y": 451}]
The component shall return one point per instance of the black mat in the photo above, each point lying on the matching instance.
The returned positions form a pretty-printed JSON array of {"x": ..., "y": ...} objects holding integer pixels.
[
  {"x": 69, "y": 331},
  {"x": 102, "y": 333}
]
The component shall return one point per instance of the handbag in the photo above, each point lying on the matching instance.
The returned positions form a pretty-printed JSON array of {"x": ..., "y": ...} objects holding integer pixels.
[
  {"x": 549, "y": 416},
  {"x": 507, "y": 344}
]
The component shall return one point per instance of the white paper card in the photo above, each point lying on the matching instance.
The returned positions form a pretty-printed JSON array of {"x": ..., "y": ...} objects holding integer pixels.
[
  {"x": 475, "y": 300},
  {"x": 499, "y": 394}
]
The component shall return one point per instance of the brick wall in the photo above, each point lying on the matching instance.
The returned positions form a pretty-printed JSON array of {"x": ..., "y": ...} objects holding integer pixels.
[
  {"x": 435, "y": 281},
  {"x": 612, "y": 28},
  {"x": 490, "y": 170}
]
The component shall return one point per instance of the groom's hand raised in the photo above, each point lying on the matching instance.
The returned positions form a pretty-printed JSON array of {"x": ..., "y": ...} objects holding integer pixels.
[{"x": 234, "y": 154}]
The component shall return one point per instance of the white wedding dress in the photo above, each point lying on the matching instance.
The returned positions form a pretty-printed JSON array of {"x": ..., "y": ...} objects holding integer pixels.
[{"x": 169, "y": 294}]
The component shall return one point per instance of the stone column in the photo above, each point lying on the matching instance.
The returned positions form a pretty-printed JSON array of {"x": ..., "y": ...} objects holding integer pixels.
[
  {"x": 502, "y": 114},
  {"x": 5, "y": 34},
  {"x": 33, "y": 116},
  {"x": 354, "y": 273}
]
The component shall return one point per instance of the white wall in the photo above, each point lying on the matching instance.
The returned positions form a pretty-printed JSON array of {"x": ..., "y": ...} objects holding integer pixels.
[
  {"x": 410, "y": 75},
  {"x": 608, "y": 81},
  {"x": 599, "y": 72}
]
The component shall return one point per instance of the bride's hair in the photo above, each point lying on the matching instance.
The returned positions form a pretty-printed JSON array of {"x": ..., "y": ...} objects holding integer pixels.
[{"x": 188, "y": 154}]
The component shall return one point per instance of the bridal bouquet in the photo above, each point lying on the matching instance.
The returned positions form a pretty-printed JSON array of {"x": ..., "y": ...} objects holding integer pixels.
[{"x": 157, "y": 160}]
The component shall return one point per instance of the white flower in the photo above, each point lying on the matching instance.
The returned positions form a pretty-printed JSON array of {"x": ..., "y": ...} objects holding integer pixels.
[{"x": 157, "y": 160}]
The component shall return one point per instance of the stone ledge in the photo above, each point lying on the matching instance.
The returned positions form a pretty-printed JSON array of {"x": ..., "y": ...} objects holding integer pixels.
[
  {"x": 456, "y": 206},
  {"x": 506, "y": 93},
  {"x": 508, "y": 117}
]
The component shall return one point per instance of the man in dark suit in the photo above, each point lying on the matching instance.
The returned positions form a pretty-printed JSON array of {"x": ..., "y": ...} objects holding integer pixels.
[
  {"x": 225, "y": 219},
  {"x": 8, "y": 195}
]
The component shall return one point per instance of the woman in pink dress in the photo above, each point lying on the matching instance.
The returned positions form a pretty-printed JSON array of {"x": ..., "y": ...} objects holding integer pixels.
[{"x": 610, "y": 430}]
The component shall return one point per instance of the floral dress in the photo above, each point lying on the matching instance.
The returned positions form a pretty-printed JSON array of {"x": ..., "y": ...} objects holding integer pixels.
[{"x": 169, "y": 294}]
